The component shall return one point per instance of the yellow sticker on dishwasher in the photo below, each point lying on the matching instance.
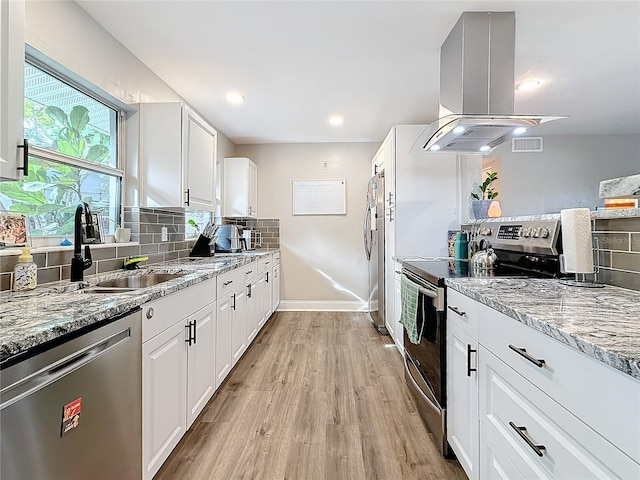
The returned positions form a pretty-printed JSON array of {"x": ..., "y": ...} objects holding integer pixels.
[{"x": 71, "y": 416}]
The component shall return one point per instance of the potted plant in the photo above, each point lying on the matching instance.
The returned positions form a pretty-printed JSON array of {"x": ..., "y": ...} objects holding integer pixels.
[{"x": 482, "y": 201}]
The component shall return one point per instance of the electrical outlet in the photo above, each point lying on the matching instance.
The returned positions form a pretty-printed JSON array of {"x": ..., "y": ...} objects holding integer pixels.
[
  {"x": 325, "y": 165},
  {"x": 164, "y": 234}
]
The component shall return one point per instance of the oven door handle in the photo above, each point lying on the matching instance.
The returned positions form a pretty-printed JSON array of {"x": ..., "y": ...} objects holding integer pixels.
[{"x": 435, "y": 407}]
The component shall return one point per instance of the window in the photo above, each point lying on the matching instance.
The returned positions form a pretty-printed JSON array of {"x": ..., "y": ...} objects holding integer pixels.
[{"x": 73, "y": 146}]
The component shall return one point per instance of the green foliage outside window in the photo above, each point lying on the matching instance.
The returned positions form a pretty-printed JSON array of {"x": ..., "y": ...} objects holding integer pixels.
[{"x": 51, "y": 191}]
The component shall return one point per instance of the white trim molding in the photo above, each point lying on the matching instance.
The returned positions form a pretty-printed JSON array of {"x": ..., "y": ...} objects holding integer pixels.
[{"x": 322, "y": 306}]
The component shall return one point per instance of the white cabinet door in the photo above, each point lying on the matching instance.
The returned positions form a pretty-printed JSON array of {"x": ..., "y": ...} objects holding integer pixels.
[
  {"x": 239, "y": 324},
  {"x": 253, "y": 309},
  {"x": 266, "y": 296},
  {"x": 462, "y": 398},
  {"x": 176, "y": 158},
  {"x": 164, "y": 377},
  {"x": 201, "y": 360},
  {"x": 224, "y": 322},
  {"x": 240, "y": 188},
  {"x": 11, "y": 89},
  {"x": 397, "y": 310},
  {"x": 253, "y": 190},
  {"x": 387, "y": 151},
  {"x": 275, "y": 288},
  {"x": 199, "y": 159}
]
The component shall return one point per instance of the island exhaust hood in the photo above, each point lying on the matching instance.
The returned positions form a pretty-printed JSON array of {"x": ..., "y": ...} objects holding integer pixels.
[{"x": 477, "y": 65}]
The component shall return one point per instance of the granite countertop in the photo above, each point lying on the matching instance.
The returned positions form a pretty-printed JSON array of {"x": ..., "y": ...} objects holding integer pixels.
[
  {"x": 603, "y": 323},
  {"x": 29, "y": 319}
]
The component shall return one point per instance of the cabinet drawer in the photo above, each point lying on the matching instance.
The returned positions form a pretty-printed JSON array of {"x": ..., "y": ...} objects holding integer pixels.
[
  {"x": 276, "y": 258},
  {"x": 158, "y": 315},
  {"x": 227, "y": 282},
  {"x": 591, "y": 390},
  {"x": 265, "y": 263},
  {"x": 462, "y": 311},
  {"x": 569, "y": 448}
]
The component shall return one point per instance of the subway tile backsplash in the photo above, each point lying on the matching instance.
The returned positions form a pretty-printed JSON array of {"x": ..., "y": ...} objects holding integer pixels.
[
  {"x": 618, "y": 242},
  {"x": 146, "y": 229}
]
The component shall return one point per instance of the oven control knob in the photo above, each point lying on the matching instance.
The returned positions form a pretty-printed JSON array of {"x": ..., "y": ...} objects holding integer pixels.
[
  {"x": 486, "y": 231},
  {"x": 544, "y": 232},
  {"x": 535, "y": 232},
  {"x": 525, "y": 232}
]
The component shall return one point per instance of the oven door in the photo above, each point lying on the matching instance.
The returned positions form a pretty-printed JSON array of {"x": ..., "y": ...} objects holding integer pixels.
[{"x": 425, "y": 368}]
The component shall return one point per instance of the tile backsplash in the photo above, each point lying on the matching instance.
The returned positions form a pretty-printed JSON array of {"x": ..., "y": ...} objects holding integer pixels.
[
  {"x": 146, "y": 229},
  {"x": 618, "y": 241}
]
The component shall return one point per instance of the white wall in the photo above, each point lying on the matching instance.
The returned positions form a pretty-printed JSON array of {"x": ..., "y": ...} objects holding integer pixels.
[
  {"x": 323, "y": 261},
  {"x": 566, "y": 174}
]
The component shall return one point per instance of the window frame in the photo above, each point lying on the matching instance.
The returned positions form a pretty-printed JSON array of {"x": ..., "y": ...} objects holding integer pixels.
[{"x": 118, "y": 171}]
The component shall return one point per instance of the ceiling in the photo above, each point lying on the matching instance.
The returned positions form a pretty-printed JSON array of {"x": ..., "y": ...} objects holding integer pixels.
[{"x": 374, "y": 62}]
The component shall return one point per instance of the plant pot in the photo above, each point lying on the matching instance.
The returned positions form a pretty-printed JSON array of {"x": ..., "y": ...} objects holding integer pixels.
[{"x": 480, "y": 208}]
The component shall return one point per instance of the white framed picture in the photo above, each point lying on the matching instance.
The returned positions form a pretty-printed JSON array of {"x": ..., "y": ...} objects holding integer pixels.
[{"x": 13, "y": 230}]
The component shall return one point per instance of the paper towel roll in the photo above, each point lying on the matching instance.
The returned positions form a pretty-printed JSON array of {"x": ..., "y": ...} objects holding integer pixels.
[{"x": 577, "y": 245}]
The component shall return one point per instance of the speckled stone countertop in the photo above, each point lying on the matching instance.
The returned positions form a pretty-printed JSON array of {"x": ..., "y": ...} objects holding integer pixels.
[
  {"x": 29, "y": 319},
  {"x": 603, "y": 323},
  {"x": 595, "y": 214}
]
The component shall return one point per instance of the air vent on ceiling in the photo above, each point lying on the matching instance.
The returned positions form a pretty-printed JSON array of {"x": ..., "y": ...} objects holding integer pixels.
[{"x": 526, "y": 144}]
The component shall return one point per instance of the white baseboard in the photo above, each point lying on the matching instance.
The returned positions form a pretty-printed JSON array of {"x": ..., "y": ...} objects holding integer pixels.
[{"x": 322, "y": 306}]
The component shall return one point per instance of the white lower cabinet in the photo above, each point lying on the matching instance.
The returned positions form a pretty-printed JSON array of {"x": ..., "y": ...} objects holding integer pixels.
[
  {"x": 224, "y": 326},
  {"x": 238, "y": 324},
  {"x": 164, "y": 384},
  {"x": 275, "y": 288},
  {"x": 462, "y": 398},
  {"x": 201, "y": 359},
  {"x": 253, "y": 309},
  {"x": 529, "y": 411},
  {"x": 263, "y": 290}
]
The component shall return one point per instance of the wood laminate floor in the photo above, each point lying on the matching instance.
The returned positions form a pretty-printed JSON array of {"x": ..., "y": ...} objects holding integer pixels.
[{"x": 319, "y": 395}]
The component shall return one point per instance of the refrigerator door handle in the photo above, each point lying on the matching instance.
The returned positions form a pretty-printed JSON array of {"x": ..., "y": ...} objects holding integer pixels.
[{"x": 366, "y": 231}]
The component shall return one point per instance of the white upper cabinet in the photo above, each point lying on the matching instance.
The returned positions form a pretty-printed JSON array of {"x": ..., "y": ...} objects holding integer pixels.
[
  {"x": 12, "y": 157},
  {"x": 176, "y": 158},
  {"x": 240, "y": 187}
]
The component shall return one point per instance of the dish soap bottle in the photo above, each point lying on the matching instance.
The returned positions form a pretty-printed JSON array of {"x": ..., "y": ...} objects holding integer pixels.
[{"x": 25, "y": 273}]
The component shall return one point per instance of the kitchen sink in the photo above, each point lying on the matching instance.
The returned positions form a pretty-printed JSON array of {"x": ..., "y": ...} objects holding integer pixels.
[{"x": 135, "y": 281}]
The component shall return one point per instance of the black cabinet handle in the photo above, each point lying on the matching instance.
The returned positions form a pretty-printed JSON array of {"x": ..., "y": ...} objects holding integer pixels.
[
  {"x": 456, "y": 311},
  {"x": 469, "y": 352},
  {"x": 521, "y": 431},
  {"x": 267, "y": 277},
  {"x": 249, "y": 291},
  {"x": 188, "y": 339},
  {"x": 228, "y": 282},
  {"x": 25, "y": 157},
  {"x": 234, "y": 301},
  {"x": 538, "y": 362},
  {"x": 188, "y": 196},
  {"x": 195, "y": 331}
]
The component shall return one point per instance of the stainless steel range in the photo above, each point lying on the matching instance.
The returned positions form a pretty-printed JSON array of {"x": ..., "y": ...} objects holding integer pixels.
[{"x": 523, "y": 249}]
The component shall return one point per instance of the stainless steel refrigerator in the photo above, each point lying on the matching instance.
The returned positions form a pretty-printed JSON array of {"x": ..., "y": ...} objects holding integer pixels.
[{"x": 373, "y": 234}]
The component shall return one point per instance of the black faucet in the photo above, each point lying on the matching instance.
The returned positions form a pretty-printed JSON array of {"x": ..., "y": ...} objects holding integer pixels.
[{"x": 78, "y": 264}]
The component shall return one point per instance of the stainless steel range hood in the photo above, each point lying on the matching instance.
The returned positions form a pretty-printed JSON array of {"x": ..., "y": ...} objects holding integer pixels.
[{"x": 477, "y": 64}]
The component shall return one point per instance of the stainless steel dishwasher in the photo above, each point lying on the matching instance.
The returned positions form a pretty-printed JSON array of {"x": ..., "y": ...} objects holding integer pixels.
[{"x": 73, "y": 410}]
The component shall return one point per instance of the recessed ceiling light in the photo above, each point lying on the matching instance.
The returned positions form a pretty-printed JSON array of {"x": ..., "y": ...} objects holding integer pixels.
[
  {"x": 435, "y": 148},
  {"x": 528, "y": 85},
  {"x": 235, "y": 98},
  {"x": 519, "y": 130},
  {"x": 458, "y": 129},
  {"x": 485, "y": 148},
  {"x": 336, "y": 120}
]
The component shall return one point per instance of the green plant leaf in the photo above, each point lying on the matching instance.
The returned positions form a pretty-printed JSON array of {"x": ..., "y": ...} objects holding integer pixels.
[
  {"x": 35, "y": 186},
  {"x": 97, "y": 153},
  {"x": 79, "y": 117},
  {"x": 475, "y": 196},
  {"x": 48, "y": 208},
  {"x": 58, "y": 115}
]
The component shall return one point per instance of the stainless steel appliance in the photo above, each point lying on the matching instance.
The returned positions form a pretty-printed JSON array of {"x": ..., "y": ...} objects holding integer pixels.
[
  {"x": 228, "y": 239},
  {"x": 373, "y": 234},
  {"x": 73, "y": 410},
  {"x": 523, "y": 249}
]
